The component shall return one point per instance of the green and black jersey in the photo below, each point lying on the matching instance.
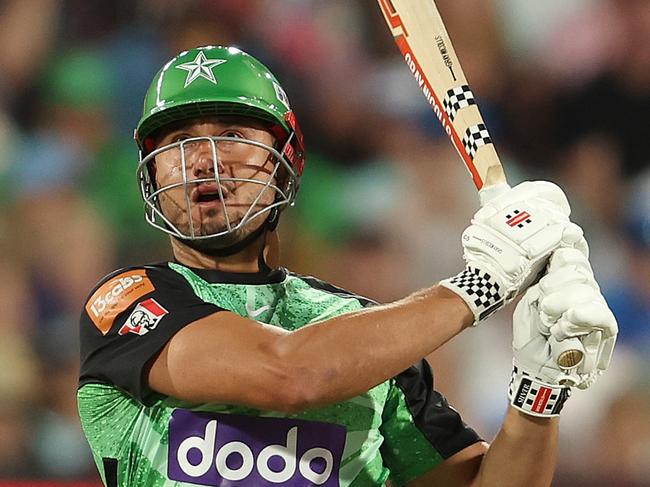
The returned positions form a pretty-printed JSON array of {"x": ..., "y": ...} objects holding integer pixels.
[{"x": 397, "y": 431}]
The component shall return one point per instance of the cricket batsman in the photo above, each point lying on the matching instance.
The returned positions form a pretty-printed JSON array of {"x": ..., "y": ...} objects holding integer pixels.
[{"x": 222, "y": 368}]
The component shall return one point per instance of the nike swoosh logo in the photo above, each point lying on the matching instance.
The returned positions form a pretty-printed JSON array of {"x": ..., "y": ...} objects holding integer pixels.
[{"x": 254, "y": 313}]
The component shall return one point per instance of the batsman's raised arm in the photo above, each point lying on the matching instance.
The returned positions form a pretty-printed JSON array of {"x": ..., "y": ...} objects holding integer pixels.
[
  {"x": 220, "y": 367},
  {"x": 311, "y": 366}
]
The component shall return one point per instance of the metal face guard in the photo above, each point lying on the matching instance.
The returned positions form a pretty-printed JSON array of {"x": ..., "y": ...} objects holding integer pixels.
[{"x": 151, "y": 194}]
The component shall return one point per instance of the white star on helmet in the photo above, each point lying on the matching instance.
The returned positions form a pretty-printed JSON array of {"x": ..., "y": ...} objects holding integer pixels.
[{"x": 201, "y": 67}]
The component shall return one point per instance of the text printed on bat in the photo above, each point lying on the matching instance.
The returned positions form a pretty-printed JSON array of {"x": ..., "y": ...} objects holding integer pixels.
[
  {"x": 446, "y": 58},
  {"x": 424, "y": 86}
]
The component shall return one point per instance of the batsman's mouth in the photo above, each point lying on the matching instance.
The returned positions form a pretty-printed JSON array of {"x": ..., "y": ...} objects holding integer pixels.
[{"x": 207, "y": 194}]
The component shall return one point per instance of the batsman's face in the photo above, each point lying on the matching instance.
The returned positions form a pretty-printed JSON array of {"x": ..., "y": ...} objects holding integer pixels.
[{"x": 215, "y": 184}]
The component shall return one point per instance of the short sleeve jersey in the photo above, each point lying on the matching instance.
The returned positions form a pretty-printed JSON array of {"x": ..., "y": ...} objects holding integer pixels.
[{"x": 397, "y": 431}]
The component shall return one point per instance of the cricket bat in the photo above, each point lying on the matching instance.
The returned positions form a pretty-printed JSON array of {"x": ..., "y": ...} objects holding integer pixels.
[{"x": 422, "y": 38}]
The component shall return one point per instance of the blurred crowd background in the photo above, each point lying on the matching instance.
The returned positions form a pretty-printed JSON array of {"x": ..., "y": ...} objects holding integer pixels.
[{"x": 565, "y": 90}]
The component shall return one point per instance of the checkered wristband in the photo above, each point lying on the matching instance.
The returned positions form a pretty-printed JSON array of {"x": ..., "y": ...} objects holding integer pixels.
[
  {"x": 534, "y": 396},
  {"x": 479, "y": 289}
]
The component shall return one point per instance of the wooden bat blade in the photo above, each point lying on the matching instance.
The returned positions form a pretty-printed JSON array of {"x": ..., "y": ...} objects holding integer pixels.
[{"x": 421, "y": 36}]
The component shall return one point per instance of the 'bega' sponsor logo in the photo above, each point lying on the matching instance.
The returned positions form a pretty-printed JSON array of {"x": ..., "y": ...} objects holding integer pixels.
[{"x": 223, "y": 449}]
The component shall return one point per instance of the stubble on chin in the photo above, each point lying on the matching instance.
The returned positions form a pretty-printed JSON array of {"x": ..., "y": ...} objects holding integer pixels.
[
  {"x": 211, "y": 244},
  {"x": 210, "y": 221}
]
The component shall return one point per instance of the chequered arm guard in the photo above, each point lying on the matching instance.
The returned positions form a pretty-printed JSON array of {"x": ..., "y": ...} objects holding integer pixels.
[
  {"x": 534, "y": 396},
  {"x": 480, "y": 290}
]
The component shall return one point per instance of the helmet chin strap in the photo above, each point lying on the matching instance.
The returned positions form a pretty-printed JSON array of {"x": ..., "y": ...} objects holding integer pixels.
[{"x": 269, "y": 225}]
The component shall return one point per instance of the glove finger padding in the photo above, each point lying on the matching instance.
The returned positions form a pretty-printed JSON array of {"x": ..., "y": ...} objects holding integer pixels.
[
  {"x": 570, "y": 257},
  {"x": 583, "y": 320},
  {"x": 558, "y": 280},
  {"x": 578, "y": 300},
  {"x": 587, "y": 316},
  {"x": 569, "y": 282},
  {"x": 573, "y": 237}
]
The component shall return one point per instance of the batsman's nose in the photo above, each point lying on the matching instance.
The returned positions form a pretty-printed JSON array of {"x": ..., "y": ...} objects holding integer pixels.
[{"x": 206, "y": 162}]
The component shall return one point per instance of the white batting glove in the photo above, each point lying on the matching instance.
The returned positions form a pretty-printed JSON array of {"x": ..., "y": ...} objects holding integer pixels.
[
  {"x": 572, "y": 306},
  {"x": 564, "y": 310},
  {"x": 508, "y": 244}
]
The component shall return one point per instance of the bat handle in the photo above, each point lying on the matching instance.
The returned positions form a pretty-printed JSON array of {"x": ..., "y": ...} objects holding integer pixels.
[
  {"x": 567, "y": 354},
  {"x": 495, "y": 176}
]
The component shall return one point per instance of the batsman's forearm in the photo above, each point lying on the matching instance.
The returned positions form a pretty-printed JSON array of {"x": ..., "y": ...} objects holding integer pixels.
[
  {"x": 347, "y": 355},
  {"x": 523, "y": 454}
]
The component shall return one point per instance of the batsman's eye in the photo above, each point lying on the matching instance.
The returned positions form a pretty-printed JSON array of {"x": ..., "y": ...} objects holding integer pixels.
[{"x": 179, "y": 138}]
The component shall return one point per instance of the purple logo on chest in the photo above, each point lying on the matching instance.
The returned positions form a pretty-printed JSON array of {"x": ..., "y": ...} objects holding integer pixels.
[{"x": 230, "y": 450}]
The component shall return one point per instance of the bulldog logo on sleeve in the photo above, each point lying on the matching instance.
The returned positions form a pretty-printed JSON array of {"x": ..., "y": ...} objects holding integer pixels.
[{"x": 143, "y": 318}]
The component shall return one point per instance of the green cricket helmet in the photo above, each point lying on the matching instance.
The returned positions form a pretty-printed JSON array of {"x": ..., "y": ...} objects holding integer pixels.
[{"x": 217, "y": 81}]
